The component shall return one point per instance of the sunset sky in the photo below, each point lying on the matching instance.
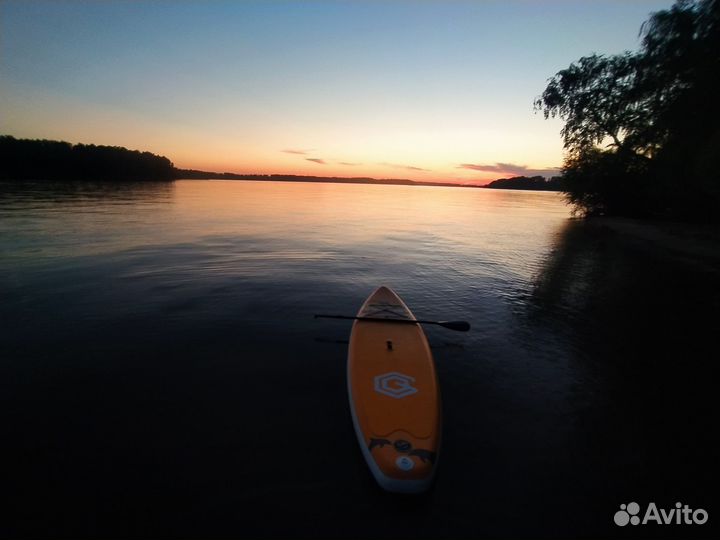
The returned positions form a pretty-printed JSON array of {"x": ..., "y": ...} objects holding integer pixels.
[{"x": 439, "y": 91}]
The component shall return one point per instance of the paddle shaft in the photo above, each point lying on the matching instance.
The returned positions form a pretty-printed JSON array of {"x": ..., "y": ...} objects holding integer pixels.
[{"x": 461, "y": 326}]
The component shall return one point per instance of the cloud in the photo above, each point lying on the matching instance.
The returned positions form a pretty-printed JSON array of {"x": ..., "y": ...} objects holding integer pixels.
[
  {"x": 348, "y": 163},
  {"x": 316, "y": 160},
  {"x": 296, "y": 151},
  {"x": 406, "y": 167},
  {"x": 510, "y": 169}
]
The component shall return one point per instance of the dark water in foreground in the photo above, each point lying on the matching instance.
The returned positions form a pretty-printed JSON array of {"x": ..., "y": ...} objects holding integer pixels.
[{"x": 162, "y": 374}]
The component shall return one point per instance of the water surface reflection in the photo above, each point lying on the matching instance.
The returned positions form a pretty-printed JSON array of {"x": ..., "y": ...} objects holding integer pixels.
[{"x": 163, "y": 374}]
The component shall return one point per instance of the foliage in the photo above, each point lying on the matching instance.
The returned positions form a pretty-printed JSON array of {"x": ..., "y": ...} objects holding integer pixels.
[
  {"x": 600, "y": 181},
  {"x": 642, "y": 128},
  {"x": 24, "y": 159},
  {"x": 537, "y": 183}
]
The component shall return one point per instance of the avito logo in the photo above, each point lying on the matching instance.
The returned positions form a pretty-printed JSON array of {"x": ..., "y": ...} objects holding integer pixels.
[{"x": 680, "y": 515}]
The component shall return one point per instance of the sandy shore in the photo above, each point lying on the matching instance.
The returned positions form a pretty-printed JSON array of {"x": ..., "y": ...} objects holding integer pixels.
[{"x": 698, "y": 244}]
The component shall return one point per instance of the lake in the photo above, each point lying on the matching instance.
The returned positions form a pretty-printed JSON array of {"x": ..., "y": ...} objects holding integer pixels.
[{"x": 163, "y": 375}]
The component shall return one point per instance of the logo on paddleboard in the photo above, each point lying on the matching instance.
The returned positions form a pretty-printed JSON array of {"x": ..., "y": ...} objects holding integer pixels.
[
  {"x": 404, "y": 463},
  {"x": 395, "y": 385}
]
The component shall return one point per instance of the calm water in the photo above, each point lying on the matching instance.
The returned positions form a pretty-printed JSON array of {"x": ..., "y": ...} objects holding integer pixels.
[{"x": 162, "y": 373}]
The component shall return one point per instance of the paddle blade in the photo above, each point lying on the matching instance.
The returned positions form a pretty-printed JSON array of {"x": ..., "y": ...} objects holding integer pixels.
[{"x": 460, "y": 326}]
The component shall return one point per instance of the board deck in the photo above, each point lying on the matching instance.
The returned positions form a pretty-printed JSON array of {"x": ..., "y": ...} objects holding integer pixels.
[{"x": 394, "y": 395}]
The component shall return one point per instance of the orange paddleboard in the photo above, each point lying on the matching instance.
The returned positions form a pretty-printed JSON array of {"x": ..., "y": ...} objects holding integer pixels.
[{"x": 394, "y": 395}]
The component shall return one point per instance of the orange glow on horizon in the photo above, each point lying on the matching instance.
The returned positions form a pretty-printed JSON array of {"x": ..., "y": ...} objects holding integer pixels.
[
  {"x": 296, "y": 164},
  {"x": 453, "y": 175},
  {"x": 362, "y": 151},
  {"x": 378, "y": 173}
]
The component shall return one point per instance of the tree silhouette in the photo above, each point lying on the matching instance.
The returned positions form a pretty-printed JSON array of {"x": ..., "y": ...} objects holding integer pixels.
[
  {"x": 642, "y": 129},
  {"x": 537, "y": 183},
  {"x": 24, "y": 159}
]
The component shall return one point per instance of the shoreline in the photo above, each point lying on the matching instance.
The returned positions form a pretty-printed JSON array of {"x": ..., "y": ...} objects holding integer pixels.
[
  {"x": 328, "y": 180},
  {"x": 308, "y": 180},
  {"x": 693, "y": 243}
]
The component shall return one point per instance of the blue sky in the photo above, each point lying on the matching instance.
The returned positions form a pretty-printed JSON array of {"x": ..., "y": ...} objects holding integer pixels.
[{"x": 385, "y": 89}]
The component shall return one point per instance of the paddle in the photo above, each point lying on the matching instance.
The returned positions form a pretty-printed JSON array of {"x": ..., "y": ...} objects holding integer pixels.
[{"x": 460, "y": 326}]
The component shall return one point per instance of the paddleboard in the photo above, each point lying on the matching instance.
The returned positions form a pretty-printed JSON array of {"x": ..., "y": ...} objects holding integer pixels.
[{"x": 394, "y": 395}]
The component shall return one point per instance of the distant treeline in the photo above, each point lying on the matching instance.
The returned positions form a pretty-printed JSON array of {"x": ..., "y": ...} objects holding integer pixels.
[
  {"x": 25, "y": 159},
  {"x": 192, "y": 174},
  {"x": 539, "y": 183}
]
